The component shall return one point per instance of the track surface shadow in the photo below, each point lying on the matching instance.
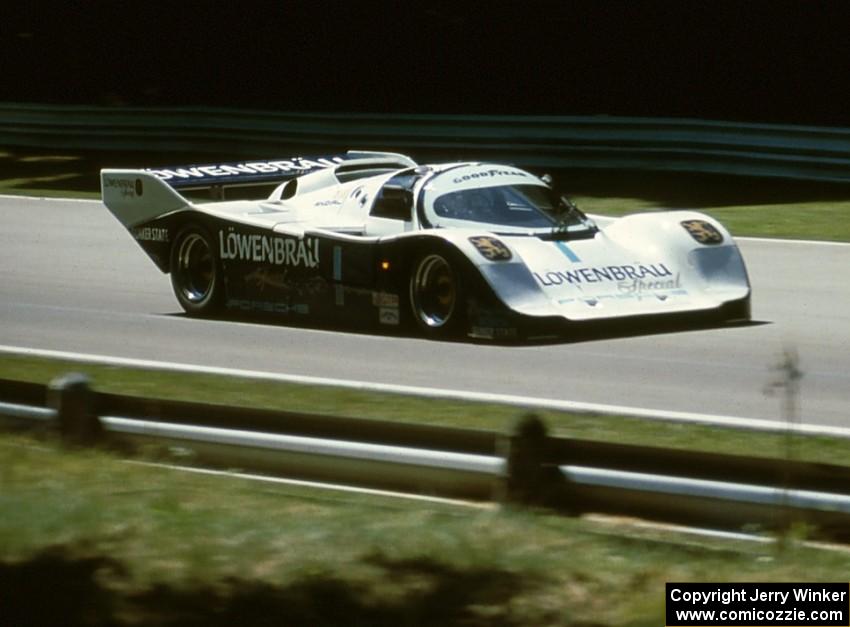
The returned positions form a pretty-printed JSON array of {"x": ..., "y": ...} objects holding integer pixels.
[
  {"x": 559, "y": 334},
  {"x": 59, "y": 587}
]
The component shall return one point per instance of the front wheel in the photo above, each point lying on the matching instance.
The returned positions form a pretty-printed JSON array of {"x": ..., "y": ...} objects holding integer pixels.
[
  {"x": 436, "y": 296},
  {"x": 196, "y": 274}
]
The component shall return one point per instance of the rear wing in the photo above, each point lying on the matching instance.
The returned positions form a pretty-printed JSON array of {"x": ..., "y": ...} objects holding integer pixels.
[
  {"x": 137, "y": 196},
  {"x": 217, "y": 177}
]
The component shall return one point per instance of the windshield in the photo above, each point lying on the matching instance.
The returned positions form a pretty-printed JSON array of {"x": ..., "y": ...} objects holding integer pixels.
[{"x": 518, "y": 206}]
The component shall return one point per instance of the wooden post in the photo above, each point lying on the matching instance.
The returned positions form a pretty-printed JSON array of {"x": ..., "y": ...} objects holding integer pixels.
[{"x": 70, "y": 396}]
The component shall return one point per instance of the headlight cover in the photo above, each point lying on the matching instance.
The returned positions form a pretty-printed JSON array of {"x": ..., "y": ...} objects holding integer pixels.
[
  {"x": 703, "y": 232},
  {"x": 491, "y": 248}
]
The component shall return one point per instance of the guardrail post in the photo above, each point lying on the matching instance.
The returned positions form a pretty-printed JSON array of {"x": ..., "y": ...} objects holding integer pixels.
[
  {"x": 71, "y": 397},
  {"x": 532, "y": 479}
]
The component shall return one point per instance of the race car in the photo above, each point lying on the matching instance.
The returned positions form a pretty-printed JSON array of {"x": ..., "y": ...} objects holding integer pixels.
[{"x": 453, "y": 249}]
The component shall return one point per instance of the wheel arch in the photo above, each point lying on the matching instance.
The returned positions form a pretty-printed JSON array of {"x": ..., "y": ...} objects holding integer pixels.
[
  {"x": 196, "y": 268},
  {"x": 474, "y": 289}
]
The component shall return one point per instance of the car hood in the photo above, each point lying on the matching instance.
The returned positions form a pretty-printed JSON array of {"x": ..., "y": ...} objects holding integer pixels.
[{"x": 604, "y": 278}]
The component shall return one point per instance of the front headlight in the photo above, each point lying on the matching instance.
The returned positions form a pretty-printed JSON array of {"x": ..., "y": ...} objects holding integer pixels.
[
  {"x": 491, "y": 248},
  {"x": 703, "y": 232}
]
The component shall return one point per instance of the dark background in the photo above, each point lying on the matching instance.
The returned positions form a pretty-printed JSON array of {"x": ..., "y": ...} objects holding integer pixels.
[{"x": 751, "y": 61}]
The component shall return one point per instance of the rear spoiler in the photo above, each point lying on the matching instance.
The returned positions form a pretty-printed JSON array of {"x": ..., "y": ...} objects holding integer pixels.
[{"x": 251, "y": 173}]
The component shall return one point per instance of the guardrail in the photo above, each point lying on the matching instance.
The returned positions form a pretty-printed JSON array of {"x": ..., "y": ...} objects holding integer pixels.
[
  {"x": 697, "y": 488},
  {"x": 595, "y": 142}
]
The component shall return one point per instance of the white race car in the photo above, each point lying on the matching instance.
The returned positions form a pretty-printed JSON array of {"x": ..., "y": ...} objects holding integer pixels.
[{"x": 474, "y": 249}]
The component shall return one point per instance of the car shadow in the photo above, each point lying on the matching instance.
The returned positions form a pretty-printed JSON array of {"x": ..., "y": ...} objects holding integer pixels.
[
  {"x": 641, "y": 330},
  {"x": 552, "y": 333}
]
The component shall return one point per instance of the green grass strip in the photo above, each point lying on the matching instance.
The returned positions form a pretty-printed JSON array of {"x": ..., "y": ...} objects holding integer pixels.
[
  {"x": 825, "y": 221},
  {"x": 88, "y": 539},
  {"x": 273, "y": 395}
]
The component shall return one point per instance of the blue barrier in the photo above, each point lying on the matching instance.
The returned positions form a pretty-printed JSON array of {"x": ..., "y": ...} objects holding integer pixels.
[{"x": 594, "y": 142}]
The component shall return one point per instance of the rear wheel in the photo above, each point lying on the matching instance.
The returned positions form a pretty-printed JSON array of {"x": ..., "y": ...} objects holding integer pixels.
[
  {"x": 196, "y": 274},
  {"x": 436, "y": 296}
]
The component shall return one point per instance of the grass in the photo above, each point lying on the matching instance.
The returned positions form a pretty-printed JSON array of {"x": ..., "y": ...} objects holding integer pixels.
[
  {"x": 360, "y": 404},
  {"x": 747, "y": 206},
  {"x": 48, "y": 175},
  {"x": 826, "y": 221},
  {"x": 87, "y": 539}
]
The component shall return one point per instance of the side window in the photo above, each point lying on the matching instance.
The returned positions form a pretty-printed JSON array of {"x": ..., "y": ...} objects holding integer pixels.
[{"x": 395, "y": 200}]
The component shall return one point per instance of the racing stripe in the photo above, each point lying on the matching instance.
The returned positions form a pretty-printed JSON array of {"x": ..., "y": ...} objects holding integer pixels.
[
  {"x": 337, "y": 271},
  {"x": 568, "y": 253}
]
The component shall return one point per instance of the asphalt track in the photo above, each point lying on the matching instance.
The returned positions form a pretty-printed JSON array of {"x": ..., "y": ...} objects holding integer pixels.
[{"x": 72, "y": 279}]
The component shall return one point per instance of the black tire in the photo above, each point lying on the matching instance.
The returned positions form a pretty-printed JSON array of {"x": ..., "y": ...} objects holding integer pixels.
[
  {"x": 196, "y": 274},
  {"x": 437, "y": 297}
]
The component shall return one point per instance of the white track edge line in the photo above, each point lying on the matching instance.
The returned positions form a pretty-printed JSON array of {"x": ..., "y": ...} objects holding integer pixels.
[
  {"x": 717, "y": 534},
  {"x": 720, "y": 534},
  {"x": 779, "y": 240},
  {"x": 315, "y": 484},
  {"x": 753, "y": 424},
  {"x": 48, "y": 198}
]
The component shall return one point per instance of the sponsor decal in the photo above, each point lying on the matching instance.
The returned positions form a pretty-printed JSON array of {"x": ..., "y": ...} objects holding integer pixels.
[
  {"x": 491, "y": 248},
  {"x": 269, "y": 249},
  {"x": 337, "y": 263},
  {"x": 281, "y": 281},
  {"x": 150, "y": 234},
  {"x": 636, "y": 286},
  {"x": 636, "y": 289},
  {"x": 619, "y": 273},
  {"x": 298, "y": 165},
  {"x": 385, "y": 299},
  {"x": 128, "y": 188},
  {"x": 703, "y": 232},
  {"x": 485, "y": 174},
  {"x": 389, "y": 315},
  {"x": 492, "y": 324},
  {"x": 266, "y": 307},
  {"x": 494, "y": 333}
]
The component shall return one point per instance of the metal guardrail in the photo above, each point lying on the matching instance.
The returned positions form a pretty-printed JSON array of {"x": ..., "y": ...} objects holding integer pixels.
[
  {"x": 594, "y": 142},
  {"x": 705, "y": 489}
]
